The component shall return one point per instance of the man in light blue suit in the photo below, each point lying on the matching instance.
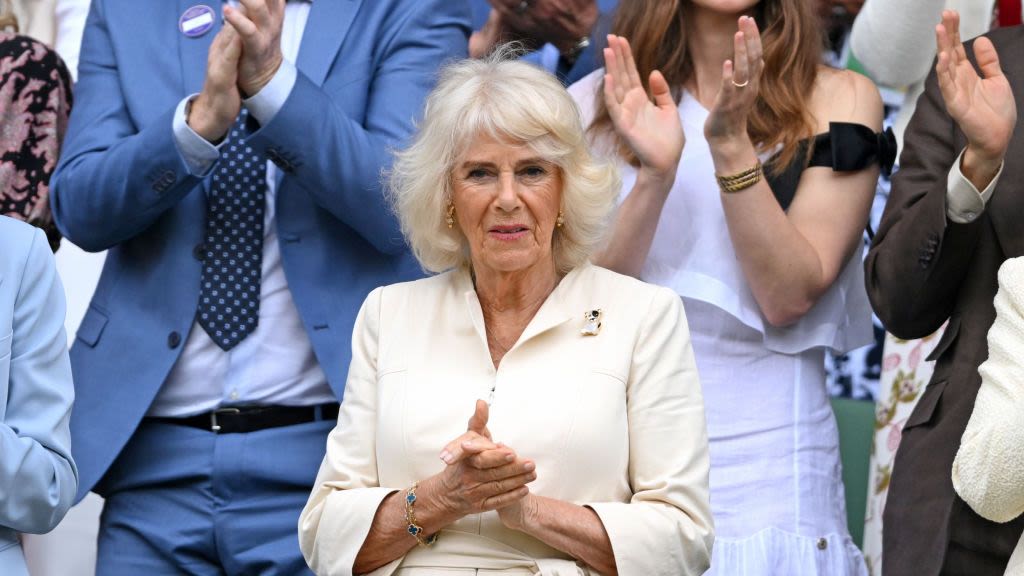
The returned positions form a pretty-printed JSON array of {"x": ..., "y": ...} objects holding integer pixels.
[
  {"x": 213, "y": 355},
  {"x": 37, "y": 475}
]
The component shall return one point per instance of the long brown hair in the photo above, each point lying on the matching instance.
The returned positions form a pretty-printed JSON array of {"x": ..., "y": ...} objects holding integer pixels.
[{"x": 793, "y": 45}]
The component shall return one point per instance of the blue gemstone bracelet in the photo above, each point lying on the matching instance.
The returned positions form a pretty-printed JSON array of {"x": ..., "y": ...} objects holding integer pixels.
[{"x": 414, "y": 529}]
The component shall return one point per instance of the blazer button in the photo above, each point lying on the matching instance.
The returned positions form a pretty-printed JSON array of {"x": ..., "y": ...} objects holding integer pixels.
[
  {"x": 199, "y": 252},
  {"x": 173, "y": 339}
]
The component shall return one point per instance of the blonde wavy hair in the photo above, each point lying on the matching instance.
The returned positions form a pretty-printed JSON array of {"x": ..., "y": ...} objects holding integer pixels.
[{"x": 513, "y": 102}]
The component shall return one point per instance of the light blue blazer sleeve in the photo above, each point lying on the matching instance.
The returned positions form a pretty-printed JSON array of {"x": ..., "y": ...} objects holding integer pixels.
[{"x": 38, "y": 478}]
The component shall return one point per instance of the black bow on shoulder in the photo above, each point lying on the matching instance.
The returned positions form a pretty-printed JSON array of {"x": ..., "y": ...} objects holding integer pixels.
[{"x": 855, "y": 146}]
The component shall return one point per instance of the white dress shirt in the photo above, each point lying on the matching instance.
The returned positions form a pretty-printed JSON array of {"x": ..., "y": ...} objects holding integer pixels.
[
  {"x": 275, "y": 364},
  {"x": 964, "y": 203},
  {"x": 70, "y": 16}
]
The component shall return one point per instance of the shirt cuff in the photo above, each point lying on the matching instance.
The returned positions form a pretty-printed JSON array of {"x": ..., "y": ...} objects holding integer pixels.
[
  {"x": 198, "y": 154},
  {"x": 963, "y": 201},
  {"x": 265, "y": 104}
]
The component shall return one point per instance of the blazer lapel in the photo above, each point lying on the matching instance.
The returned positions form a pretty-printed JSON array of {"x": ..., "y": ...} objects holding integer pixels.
[
  {"x": 194, "y": 51},
  {"x": 1008, "y": 198},
  {"x": 328, "y": 25},
  {"x": 552, "y": 313}
]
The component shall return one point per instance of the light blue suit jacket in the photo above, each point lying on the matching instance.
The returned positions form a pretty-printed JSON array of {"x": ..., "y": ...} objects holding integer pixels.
[
  {"x": 37, "y": 476},
  {"x": 365, "y": 67}
]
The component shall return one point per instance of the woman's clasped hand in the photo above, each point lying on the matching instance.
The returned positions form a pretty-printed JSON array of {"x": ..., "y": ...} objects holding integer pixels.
[{"x": 482, "y": 475}]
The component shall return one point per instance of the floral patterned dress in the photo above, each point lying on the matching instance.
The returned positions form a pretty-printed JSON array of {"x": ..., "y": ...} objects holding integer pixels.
[
  {"x": 35, "y": 99},
  {"x": 905, "y": 373}
]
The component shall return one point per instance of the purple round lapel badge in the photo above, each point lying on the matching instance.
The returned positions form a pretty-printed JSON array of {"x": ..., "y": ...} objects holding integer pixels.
[{"x": 196, "y": 21}]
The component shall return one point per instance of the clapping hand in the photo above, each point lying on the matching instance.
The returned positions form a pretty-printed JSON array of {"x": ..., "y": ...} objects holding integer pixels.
[
  {"x": 483, "y": 41},
  {"x": 482, "y": 475},
  {"x": 560, "y": 22},
  {"x": 259, "y": 25},
  {"x": 741, "y": 83},
  {"x": 214, "y": 110},
  {"x": 982, "y": 106},
  {"x": 652, "y": 129},
  {"x": 243, "y": 57}
]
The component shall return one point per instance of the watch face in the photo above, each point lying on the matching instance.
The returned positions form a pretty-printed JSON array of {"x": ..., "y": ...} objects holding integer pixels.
[{"x": 573, "y": 53}]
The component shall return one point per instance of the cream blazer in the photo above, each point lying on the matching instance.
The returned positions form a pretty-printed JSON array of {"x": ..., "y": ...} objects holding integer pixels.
[
  {"x": 988, "y": 472},
  {"x": 614, "y": 421}
]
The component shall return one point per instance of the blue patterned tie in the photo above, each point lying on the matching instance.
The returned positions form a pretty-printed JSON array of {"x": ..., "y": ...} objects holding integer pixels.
[{"x": 229, "y": 297}]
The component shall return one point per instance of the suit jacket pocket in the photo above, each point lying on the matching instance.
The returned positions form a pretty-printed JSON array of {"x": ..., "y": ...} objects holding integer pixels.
[
  {"x": 91, "y": 328},
  {"x": 926, "y": 407},
  {"x": 948, "y": 337}
]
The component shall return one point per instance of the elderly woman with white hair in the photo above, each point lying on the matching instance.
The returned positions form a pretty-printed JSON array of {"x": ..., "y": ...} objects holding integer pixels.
[{"x": 586, "y": 451}]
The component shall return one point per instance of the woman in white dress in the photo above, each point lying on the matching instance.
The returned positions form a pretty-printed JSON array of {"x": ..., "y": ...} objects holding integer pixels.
[{"x": 758, "y": 231}]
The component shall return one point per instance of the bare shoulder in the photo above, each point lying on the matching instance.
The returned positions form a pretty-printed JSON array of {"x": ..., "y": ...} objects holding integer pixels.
[{"x": 845, "y": 96}]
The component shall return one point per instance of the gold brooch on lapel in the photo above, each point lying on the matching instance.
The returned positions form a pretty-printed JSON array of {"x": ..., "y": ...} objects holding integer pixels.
[{"x": 591, "y": 323}]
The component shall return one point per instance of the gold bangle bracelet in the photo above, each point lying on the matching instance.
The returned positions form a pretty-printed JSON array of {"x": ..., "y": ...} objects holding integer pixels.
[
  {"x": 741, "y": 180},
  {"x": 741, "y": 175}
]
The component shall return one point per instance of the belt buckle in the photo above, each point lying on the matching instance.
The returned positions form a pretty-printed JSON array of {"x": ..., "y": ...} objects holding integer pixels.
[{"x": 214, "y": 426}]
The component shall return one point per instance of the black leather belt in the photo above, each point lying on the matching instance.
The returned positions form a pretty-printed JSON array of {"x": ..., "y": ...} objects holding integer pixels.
[{"x": 240, "y": 419}]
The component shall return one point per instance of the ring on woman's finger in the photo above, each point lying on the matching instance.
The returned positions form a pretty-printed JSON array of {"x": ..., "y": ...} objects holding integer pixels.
[{"x": 740, "y": 85}]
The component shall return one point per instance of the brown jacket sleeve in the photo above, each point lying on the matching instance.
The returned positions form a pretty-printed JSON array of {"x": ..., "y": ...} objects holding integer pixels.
[{"x": 919, "y": 257}]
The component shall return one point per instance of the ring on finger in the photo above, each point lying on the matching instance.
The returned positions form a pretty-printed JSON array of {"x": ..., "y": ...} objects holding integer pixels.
[
  {"x": 743, "y": 85},
  {"x": 524, "y": 5}
]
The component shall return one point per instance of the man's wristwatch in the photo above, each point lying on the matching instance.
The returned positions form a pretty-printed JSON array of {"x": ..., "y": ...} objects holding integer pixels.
[{"x": 574, "y": 51}]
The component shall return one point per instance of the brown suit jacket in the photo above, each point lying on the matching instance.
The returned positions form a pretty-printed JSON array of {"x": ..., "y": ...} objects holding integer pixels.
[{"x": 922, "y": 270}]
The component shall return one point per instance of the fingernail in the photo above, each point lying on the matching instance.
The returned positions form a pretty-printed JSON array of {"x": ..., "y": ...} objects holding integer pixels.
[
  {"x": 529, "y": 466},
  {"x": 446, "y": 456}
]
